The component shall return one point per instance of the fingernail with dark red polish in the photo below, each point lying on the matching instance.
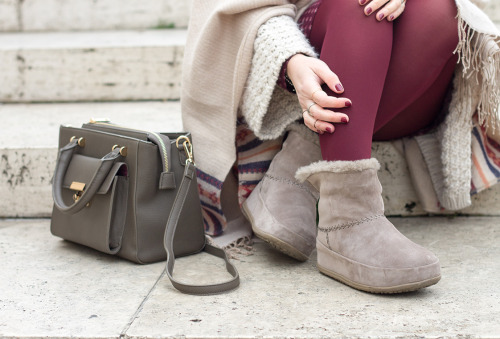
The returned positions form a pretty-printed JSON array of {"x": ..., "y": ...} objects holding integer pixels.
[
  {"x": 344, "y": 120},
  {"x": 339, "y": 87},
  {"x": 348, "y": 104},
  {"x": 381, "y": 16},
  {"x": 362, "y": 2},
  {"x": 391, "y": 17},
  {"x": 369, "y": 11},
  {"x": 329, "y": 130}
]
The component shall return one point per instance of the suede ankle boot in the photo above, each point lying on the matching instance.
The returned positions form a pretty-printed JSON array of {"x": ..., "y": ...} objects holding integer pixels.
[
  {"x": 356, "y": 243},
  {"x": 281, "y": 210}
]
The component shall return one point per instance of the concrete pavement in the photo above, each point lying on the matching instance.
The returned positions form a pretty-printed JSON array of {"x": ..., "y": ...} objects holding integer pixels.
[{"x": 52, "y": 288}]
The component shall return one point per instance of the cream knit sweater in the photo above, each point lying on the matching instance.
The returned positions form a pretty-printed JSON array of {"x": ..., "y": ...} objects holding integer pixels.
[{"x": 226, "y": 74}]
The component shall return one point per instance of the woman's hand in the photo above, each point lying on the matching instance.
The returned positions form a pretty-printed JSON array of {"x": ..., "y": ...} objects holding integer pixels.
[
  {"x": 307, "y": 75},
  {"x": 388, "y": 9}
]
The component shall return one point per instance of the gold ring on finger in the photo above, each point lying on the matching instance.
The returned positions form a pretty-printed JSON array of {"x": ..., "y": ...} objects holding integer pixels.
[
  {"x": 315, "y": 124},
  {"x": 309, "y": 108}
]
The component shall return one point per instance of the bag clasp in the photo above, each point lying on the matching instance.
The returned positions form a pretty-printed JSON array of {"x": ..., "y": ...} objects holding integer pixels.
[
  {"x": 188, "y": 148},
  {"x": 79, "y": 187}
]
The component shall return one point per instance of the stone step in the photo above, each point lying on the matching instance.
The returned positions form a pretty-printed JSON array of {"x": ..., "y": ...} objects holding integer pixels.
[
  {"x": 91, "y": 66},
  {"x": 493, "y": 10},
  {"x": 85, "y": 15},
  {"x": 80, "y": 15},
  {"x": 28, "y": 154}
]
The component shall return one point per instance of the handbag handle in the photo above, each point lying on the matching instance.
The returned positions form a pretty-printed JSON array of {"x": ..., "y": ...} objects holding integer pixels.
[
  {"x": 65, "y": 156},
  {"x": 179, "y": 204},
  {"x": 162, "y": 141}
]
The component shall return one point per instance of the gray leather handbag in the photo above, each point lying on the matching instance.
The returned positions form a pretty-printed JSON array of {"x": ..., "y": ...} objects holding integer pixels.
[{"x": 133, "y": 194}]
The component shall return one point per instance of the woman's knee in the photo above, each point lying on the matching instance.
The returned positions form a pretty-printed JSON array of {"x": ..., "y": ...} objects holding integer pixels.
[
  {"x": 431, "y": 23},
  {"x": 435, "y": 20}
]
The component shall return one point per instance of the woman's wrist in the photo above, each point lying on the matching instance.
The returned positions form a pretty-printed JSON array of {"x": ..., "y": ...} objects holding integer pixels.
[
  {"x": 292, "y": 66},
  {"x": 284, "y": 81},
  {"x": 289, "y": 84}
]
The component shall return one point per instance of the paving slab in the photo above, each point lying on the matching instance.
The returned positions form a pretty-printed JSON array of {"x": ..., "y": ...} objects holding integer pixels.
[
  {"x": 91, "y": 66},
  {"x": 52, "y": 288},
  {"x": 65, "y": 290},
  {"x": 280, "y": 298}
]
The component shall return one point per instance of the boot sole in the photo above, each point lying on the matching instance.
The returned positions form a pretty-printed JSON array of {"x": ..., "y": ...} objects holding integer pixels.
[
  {"x": 403, "y": 288},
  {"x": 276, "y": 243},
  {"x": 381, "y": 290}
]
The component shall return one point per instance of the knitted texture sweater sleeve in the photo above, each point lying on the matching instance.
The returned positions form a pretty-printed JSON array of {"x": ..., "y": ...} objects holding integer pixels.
[{"x": 277, "y": 40}]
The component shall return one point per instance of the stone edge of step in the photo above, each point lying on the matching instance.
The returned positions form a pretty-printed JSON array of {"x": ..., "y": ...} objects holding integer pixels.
[
  {"x": 92, "y": 39},
  {"x": 27, "y": 173}
]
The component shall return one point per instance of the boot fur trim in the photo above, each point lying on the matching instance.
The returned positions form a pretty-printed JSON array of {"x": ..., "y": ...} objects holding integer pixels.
[
  {"x": 336, "y": 167},
  {"x": 305, "y": 132}
]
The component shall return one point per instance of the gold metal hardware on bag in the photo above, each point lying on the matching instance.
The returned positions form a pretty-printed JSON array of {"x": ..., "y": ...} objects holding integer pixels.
[
  {"x": 81, "y": 141},
  {"x": 123, "y": 150},
  {"x": 77, "y": 186},
  {"x": 182, "y": 137},
  {"x": 77, "y": 197},
  {"x": 188, "y": 148},
  {"x": 99, "y": 120}
]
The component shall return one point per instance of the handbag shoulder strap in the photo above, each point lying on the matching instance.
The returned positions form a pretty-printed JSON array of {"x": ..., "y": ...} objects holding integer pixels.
[{"x": 179, "y": 203}]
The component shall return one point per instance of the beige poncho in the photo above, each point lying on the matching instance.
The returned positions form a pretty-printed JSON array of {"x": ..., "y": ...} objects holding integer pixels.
[{"x": 233, "y": 57}]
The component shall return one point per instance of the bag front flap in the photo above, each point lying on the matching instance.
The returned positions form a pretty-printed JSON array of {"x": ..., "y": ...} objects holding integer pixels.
[
  {"x": 100, "y": 225},
  {"x": 82, "y": 169}
]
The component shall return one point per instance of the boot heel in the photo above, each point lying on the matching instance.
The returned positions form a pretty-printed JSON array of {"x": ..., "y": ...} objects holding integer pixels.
[
  {"x": 337, "y": 267},
  {"x": 332, "y": 264},
  {"x": 260, "y": 219}
]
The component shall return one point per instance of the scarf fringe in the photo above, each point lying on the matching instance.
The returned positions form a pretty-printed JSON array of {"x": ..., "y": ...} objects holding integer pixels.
[
  {"x": 479, "y": 55},
  {"x": 240, "y": 247}
]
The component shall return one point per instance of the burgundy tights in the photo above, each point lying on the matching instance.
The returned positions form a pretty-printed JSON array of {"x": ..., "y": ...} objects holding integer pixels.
[{"x": 396, "y": 73}]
